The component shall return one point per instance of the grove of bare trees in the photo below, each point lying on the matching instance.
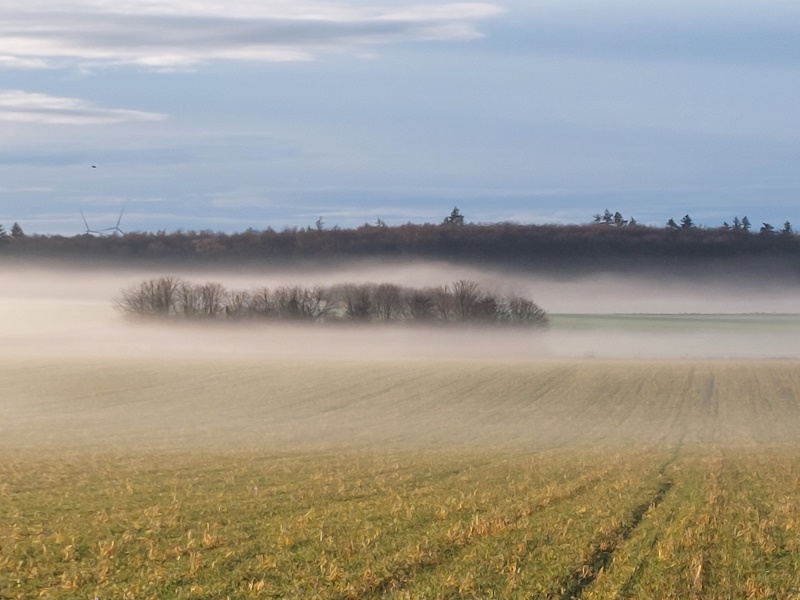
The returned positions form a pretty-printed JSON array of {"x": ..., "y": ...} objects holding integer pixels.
[{"x": 458, "y": 302}]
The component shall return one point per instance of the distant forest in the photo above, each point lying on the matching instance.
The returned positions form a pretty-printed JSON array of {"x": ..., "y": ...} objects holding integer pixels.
[{"x": 610, "y": 242}]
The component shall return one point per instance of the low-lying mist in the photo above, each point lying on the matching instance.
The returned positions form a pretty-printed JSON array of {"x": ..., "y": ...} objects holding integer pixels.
[{"x": 69, "y": 310}]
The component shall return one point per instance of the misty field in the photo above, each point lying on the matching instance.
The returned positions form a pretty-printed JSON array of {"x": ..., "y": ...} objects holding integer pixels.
[{"x": 239, "y": 478}]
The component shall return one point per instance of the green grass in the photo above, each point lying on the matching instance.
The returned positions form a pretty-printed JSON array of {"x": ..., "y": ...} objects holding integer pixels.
[
  {"x": 561, "y": 479},
  {"x": 402, "y": 525},
  {"x": 678, "y": 323}
]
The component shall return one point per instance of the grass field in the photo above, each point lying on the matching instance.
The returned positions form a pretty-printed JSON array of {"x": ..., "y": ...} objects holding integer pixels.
[{"x": 240, "y": 478}]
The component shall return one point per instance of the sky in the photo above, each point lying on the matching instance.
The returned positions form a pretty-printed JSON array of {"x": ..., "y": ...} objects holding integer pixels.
[{"x": 225, "y": 115}]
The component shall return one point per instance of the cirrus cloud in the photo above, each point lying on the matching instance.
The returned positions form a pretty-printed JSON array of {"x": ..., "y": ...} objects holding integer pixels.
[
  {"x": 26, "y": 107},
  {"x": 179, "y": 34}
]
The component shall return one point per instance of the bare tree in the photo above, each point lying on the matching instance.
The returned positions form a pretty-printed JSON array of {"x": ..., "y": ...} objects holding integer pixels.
[
  {"x": 318, "y": 303},
  {"x": 300, "y": 303},
  {"x": 388, "y": 301},
  {"x": 213, "y": 299},
  {"x": 289, "y": 302},
  {"x": 523, "y": 311},
  {"x": 357, "y": 301},
  {"x": 443, "y": 302},
  {"x": 262, "y": 303},
  {"x": 486, "y": 310},
  {"x": 466, "y": 296},
  {"x": 239, "y": 305},
  {"x": 162, "y": 292},
  {"x": 188, "y": 299},
  {"x": 156, "y": 297},
  {"x": 419, "y": 304}
]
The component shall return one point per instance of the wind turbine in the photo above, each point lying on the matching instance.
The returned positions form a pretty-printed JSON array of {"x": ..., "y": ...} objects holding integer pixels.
[
  {"x": 89, "y": 231},
  {"x": 116, "y": 230}
]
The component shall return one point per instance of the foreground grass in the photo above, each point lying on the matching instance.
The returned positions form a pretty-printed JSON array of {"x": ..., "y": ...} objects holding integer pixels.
[{"x": 402, "y": 525}]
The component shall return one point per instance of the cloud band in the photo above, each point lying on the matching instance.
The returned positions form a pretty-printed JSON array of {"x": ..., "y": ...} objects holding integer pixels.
[
  {"x": 181, "y": 34},
  {"x": 25, "y": 107}
]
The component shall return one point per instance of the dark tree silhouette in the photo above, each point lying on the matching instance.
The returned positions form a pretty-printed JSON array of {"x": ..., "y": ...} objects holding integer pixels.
[
  {"x": 358, "y": 302},
  {"x": 388, "y": 301},
  {"x": 554, "y": 248},
  {"x": 461, "y": 302},
  {"x": 157, "y": 297},
  {"x": 419, "y": 304},
  {"x": 466, "y": 296},
  {"x": 454, "y": 218},
  {"x": 443, "y": 302}
]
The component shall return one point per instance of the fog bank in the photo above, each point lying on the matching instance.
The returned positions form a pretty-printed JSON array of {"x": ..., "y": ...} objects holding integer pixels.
[{"x": 58, "y": 310}]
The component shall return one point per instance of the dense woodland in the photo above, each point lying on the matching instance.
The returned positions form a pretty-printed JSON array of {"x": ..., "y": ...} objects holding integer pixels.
[{"x": 611, "y": 241}]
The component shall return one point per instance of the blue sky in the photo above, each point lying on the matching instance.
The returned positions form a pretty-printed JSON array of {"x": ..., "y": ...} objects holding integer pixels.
[{"x": 255, "y": 113}]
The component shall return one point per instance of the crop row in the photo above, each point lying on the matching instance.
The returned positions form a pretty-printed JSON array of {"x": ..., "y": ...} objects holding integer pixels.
[{"x": 413, "y": 525}]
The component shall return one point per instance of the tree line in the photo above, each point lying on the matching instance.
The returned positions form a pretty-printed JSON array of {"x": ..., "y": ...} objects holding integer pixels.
[
  {"x": 686, "y": 222},
  {"x": 462, "y": 301},
  {"x": 613, "y": 242}
]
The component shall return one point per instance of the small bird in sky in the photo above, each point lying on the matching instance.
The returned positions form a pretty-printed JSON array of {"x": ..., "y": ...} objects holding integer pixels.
[{"x": 94, "y": 166}]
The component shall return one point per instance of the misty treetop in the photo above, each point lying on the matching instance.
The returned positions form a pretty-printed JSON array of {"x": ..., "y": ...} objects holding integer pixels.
[
  {"x": 16, "y": 232},
  {"x": 454, "y": 218},
  {"x": 458, "y": 302}
]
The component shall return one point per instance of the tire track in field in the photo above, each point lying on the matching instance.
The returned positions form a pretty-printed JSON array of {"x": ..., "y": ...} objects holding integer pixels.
[
  {"x": 477, "y": 531},
  {"x": 576, "y": 583},
  {"x": 627, "y": 588},
  {"x": 573, "y": 586},
  {"x": 702, "y": 565}
]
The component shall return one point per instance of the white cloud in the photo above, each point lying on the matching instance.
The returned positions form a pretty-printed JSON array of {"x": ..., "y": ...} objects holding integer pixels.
[
  {"x": 26, "y": 107},
  {"x": 15, "y": 62},
  {"x": 179, "y": 33}
]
